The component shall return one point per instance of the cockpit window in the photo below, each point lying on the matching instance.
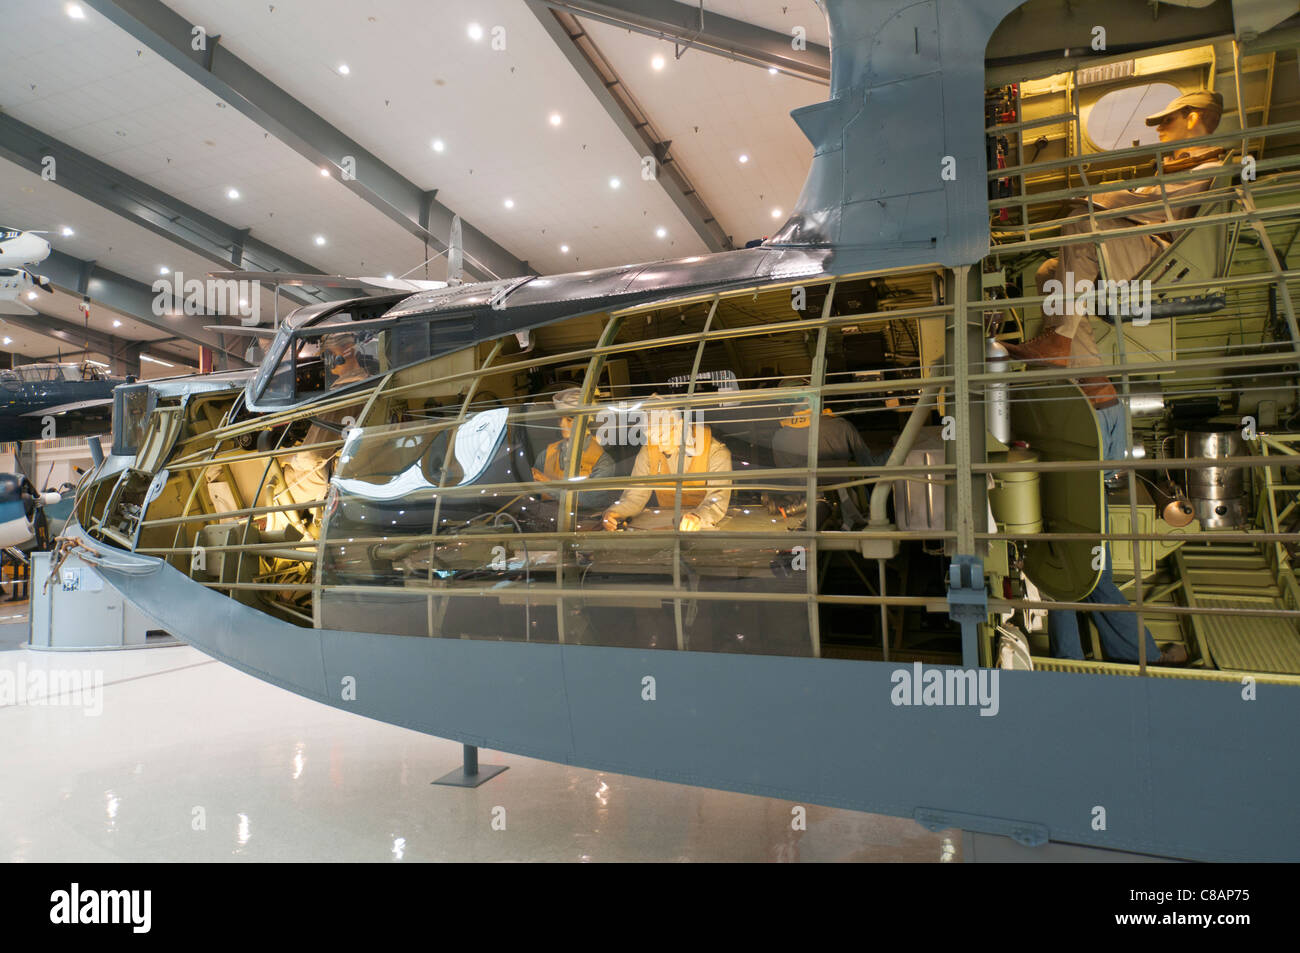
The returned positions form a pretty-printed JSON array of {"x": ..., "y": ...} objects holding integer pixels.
[{"x": 312, "y": 361}]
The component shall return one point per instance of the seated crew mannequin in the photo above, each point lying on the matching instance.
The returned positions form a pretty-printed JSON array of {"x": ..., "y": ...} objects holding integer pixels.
[
  {"x": 704, "y": 502},
  {"x": 838, "y": 445},
  {"x": 594, "y": 462}
]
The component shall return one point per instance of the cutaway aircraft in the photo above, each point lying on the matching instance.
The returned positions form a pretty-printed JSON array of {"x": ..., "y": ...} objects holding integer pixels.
[{"x": 787, "y": 519}]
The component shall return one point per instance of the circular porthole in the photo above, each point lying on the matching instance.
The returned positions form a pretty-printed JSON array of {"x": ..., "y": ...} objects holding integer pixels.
[{"x": 1119, "y": 116}]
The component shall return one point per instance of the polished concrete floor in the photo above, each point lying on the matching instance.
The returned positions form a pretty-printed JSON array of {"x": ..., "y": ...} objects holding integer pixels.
[{"x": 192, "y": 760}]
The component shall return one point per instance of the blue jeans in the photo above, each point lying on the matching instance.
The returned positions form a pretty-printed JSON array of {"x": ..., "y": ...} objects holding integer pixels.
[{"x": 1117, "y": 630}]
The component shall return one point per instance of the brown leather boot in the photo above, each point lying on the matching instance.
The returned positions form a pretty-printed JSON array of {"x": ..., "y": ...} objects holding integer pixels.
[
  {"x": 1048, "y": 348},
  {"x": 1099, "y": 390}
]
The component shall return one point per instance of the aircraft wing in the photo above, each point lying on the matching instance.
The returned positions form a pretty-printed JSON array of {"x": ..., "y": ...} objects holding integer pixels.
[
  {"x": 254, "y": 329},
  {"x": 329, "y": 281},
  {"x": 68, "y": 408}
]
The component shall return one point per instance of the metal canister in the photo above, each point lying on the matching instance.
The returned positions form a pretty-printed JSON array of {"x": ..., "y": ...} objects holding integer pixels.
[
  {"x": 1217, "y": 493},
  {"x": 997, "y": 405},
  {"x": 1015, "y": 495}
]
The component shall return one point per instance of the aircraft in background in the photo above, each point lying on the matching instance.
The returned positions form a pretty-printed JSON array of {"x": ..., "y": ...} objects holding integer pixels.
[
  {"x": 19, "y": 249},
  {"x": 79, "y": 395},
  {"x": 22, "y": 522}
]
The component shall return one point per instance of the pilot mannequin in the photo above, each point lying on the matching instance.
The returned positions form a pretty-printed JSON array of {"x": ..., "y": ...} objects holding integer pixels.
[{"x": 339, "y": 355}]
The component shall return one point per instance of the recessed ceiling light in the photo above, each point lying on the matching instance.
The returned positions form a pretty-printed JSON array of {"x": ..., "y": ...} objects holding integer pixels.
[
  {"x": 614, "y": 183},
  {"x": 776, "y": 213},
  {"x": 556, "y": 119},
  {"x": 438, "y": 145},
  {"x": 66, "y": 232},
  {"x": 232, "y": 193},
  {"x": 9, "y": 340},
  {"x": 344, "y": 69},
  {"x": 564, "y": 249},
  {"x": 510, "y": 203},
  {"x": 117, "y": 324},
  {"x": 743, "y": 158},
  {"x": 657, "y": 62},
  {"x": 320, "y": 239},
  {"x": 164, "y": 270},
  {"x": 324, "y": 171},
  {"x": 661, "y": 232},
  {"x": 74, "y": 11},
  {"x": 243, "y": 302},
  {"x": 31, "y": 296},
  {"x": 475, "y": 32},
  {"x": 772, "y": 70},
  {"x": 388, "y": 277}
]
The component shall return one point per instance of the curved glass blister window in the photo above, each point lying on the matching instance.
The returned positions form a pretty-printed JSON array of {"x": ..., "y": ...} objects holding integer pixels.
[{"x": 379, "y": 520}]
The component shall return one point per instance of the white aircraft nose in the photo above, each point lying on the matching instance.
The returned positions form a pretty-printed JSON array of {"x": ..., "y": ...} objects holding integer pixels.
[{"x": 42, "y": 248}]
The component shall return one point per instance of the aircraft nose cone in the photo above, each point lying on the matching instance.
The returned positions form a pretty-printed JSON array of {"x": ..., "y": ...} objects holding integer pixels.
[{"x": 42, "y": 250}]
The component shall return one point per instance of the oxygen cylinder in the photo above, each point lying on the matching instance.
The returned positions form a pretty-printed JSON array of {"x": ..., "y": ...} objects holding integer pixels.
[{"x": 997, "y": 403}]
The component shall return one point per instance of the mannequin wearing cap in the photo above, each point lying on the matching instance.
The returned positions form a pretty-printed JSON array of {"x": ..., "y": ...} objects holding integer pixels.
[
  {"x": 838, "y": 442},
  {"x": 1067, "y": 340},
  {"x": 704, "y": 502},
  {"x": 594, "y": 462},
  {"x": 838, "y": 445}
]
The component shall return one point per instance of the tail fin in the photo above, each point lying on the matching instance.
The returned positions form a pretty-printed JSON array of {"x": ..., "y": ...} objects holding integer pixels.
[
  {"x": 455, "y": 254},
  {"x": 898, "y": 174}
]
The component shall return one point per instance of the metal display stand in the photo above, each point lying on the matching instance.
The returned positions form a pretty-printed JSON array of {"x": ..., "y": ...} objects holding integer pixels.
[{"x": 471, "y": 774}]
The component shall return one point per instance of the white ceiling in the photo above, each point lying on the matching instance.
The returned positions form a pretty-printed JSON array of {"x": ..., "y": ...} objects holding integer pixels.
[
  {"x": 715, "y": 110},
  {"x": 415, "y": 75}
]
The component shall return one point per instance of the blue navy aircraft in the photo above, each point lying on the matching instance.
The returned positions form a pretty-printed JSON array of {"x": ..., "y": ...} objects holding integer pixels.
[
  {"x": 789, "y": 519},
  {"x": 66, "y": 400}
]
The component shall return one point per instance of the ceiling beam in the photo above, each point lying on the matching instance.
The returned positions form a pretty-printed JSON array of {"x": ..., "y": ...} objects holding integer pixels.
[
  {"x": 684, "y": 24},
  {"x": 150, "y": 208},
  {"x": 227, "y": 76},
  {"x": 588, "y": 62},
  {"x": 132, "y": 298},
  {"x": 65, "y": 332}
]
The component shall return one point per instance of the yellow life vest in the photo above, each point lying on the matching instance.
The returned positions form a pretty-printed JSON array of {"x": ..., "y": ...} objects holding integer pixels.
[
  {"x": 553, "y": 466},
  {"x": 695, "y": 463}
]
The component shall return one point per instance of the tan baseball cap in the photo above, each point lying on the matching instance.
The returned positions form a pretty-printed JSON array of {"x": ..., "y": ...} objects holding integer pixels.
[{"x": 1206, "y": 100}]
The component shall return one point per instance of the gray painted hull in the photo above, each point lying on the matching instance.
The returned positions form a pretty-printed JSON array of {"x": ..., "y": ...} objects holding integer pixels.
[{"x": 1181, "y": 768}]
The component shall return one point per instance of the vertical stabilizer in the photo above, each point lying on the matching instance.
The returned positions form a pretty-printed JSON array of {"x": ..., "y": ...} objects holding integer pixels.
[{"x": 898, "y": 173}]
